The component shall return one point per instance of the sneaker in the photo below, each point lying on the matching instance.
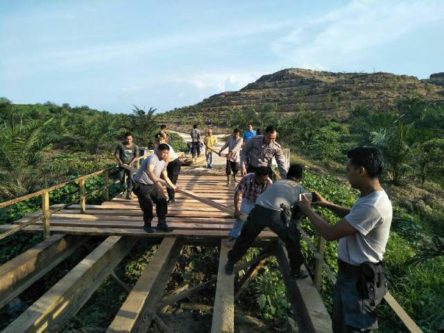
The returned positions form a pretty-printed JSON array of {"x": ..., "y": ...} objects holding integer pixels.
[
  {"x": 164, "y": 228},
  {"x": 171, "y": 200},
  {"x": 129, "y": 196},
  {"x": 148, "y": 229},
  {"x": 229, "y": 267},
  {"x": 300, "y": 274}
]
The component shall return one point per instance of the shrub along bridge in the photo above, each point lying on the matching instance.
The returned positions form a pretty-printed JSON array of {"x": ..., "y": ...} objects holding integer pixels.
[{"x": 67, "y": 227}]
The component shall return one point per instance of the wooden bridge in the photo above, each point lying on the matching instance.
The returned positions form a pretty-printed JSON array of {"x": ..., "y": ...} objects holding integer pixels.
[{"x": 67, "y": 227}]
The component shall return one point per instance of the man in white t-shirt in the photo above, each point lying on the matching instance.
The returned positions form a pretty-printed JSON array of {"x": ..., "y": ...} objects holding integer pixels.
[
  {"x": 149, "y": 187},
  {"x": 363, "y": 233}
]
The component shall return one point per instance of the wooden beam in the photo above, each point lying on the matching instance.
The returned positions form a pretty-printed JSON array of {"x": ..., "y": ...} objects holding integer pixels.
[
  {"x": 68, "y": 295},
  {"x": 22, "y": 271},
  {"x": 249, "y": 275},
  {"x": 311, "y": 314},
  {"x": 139, "y": 308},
  {"x": 104, "y": 231},
  {"x": 400, "y": 312},
  {"x": 223, "y": 311}
]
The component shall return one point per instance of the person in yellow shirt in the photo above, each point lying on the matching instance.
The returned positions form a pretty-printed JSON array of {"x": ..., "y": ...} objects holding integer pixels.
[{"x": 210, "y": 141}]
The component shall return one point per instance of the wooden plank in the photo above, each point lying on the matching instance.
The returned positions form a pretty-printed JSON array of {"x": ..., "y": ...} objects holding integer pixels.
[
  {"x": 223, "y": 311},
  {"x": 135, "y": 225},
  {"x": 136, "y": 220},
  {"x": 400, "y": 312},
  {"x": 134, "y": 232},
  {"x": 307, "y": 305},
  {"x": 22, "y": 271},
  {"x": 139, "y": 307},
  {"x": 68, "y": 295}
]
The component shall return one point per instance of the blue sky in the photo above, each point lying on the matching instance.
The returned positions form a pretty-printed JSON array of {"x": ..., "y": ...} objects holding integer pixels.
[{"x": 112, "y": 54}]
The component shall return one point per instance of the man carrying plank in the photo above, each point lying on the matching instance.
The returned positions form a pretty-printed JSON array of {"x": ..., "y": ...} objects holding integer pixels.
[
  {"x": 234, "y": 145},
  {"x": 248, "y": 189},
  {"x": 272, "y": 210},
  {"x": 210, "y": 141},
  {"x": 149, "y": 188}
]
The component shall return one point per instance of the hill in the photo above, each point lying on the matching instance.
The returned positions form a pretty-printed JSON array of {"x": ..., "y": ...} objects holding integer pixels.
[{"x": 333, "y": 94}]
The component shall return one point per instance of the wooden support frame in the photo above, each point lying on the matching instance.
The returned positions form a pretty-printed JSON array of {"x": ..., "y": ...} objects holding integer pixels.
[
  {"x": 46, "y": 214},
  {"x": 68, "y": 295},
  {"x": 82, "y": 192},
  {"x": 22, "y": 271},
  {"x": 306, "y": 302},
  {"x": 139, "y": 308},
  {"x": 223, "y": 310}
]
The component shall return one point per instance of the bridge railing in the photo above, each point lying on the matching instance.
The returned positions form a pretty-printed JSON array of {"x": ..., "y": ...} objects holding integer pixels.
[{"x": 46, "y": 212}]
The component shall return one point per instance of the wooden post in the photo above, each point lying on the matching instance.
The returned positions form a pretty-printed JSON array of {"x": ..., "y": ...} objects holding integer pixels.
[
  {"x": 106, "y": 190},
  {"x": 319, "y": 263},
  {"x": 82, "y": 195},
  {"x": 45, "y": 213}
]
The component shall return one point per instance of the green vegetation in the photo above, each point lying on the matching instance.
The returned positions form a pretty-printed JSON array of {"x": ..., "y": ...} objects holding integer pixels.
[{"x": 44, "y": 144}]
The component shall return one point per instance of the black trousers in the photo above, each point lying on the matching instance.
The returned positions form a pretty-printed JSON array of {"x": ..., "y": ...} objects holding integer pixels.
[
  {"x": 251, "y": 168},
  {"x": 195, "y": 149},
  {"x": 147, "y": 194},
  {"x": 260, "y": 218},
  {"x": 232, "y": 167},
  {"x": 173, "y": 170}
]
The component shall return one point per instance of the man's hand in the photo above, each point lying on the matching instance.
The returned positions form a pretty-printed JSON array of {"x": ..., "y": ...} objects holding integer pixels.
[
  {"x": 318, "y": 199},
  {"x": 243, "y": 170},
  {"x": 237, "y": 213},
  {"x": 176, "y": 189}
]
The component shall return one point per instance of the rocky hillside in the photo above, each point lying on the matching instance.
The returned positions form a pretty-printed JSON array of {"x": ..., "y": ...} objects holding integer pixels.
[{"x": 333, "y": 94}]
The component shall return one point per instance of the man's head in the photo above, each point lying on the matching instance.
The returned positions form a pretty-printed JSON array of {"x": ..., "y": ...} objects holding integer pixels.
[
  {"x": 195, "y": 126},
  {"x": 236, "y": 132},
  {"x": 270, "y": 134},
  {"x": 295, "y": 172},
  {"x": 365, "y": 163},
  {"x": 128, "y": 138},
  {"x": 209, "y": 132},
  {"x": 163, "y": 151},
  {"x": 163, "y": 127},
  {"x": 250, "y": 126},
  {"x": 261, "y": 174}
]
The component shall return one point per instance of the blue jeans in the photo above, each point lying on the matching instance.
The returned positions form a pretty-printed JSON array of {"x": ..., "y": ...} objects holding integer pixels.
[
  {"x": 246, "y": 207},
  {"x": 209, "y": 157}
]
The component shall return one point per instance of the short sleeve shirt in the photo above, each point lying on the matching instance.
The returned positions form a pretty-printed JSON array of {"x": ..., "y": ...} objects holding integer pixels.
[
  {"x": 283, "y": 191},
  {"x": 250, "y": 189},
  {"x": 371, "y": 216},
  {"x": 127, "y": 154},
  {"x": 142, "y": 173}
]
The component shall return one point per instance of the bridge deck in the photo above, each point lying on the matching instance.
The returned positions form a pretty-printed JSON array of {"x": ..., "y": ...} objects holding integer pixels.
[{"x": 187, "y": 217}]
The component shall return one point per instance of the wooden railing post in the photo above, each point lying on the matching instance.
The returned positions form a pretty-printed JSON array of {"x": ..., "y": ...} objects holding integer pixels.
[
  {"x": 318, "y": 263},
  {"x": 82, "y": 192},
  {"x": 106, "y": 190},
  {"x": 45, "y": 214}
]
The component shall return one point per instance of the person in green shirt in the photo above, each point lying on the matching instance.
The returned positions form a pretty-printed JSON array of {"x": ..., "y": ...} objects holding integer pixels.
[{"x": 126, "y": 154}]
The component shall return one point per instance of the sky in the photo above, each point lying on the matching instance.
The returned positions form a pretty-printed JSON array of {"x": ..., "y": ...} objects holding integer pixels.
[{"x": 113, "y": 54}]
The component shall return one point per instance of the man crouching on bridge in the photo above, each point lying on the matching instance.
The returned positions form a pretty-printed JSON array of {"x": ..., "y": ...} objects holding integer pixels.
[
  {"x": 363, "y": 233},
  {"x": 149, "y": 187},
  {"x": 271, "y": 210}
]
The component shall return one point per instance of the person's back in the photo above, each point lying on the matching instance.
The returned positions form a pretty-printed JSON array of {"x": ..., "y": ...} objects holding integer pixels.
[{"x": 282, "y": 192}]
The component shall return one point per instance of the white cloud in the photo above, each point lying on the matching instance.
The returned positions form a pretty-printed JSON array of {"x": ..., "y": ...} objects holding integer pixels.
[
  {"x": 219, "y": 81},
  {"x": 343, "y": 35}
]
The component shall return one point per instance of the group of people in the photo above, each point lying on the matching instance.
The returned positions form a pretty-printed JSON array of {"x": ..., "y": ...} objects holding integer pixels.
[{"x": 259, "y": 203}]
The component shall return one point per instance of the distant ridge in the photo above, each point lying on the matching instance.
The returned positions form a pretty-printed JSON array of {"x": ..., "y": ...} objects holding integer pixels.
[{"x": 333, "y": 94}]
